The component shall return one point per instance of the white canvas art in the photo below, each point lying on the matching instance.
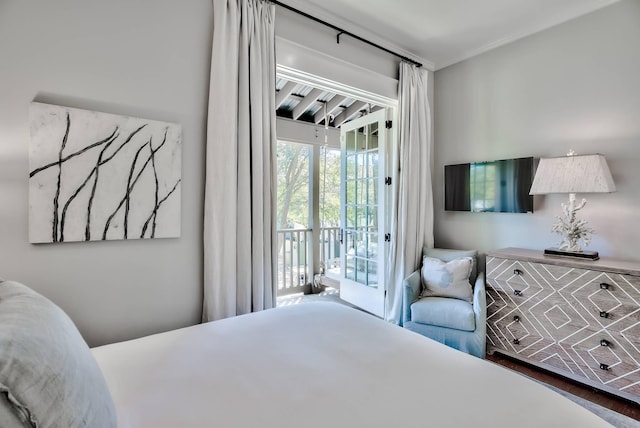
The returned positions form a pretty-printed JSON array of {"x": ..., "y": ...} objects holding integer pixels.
[{"x": 97, "y": 176}]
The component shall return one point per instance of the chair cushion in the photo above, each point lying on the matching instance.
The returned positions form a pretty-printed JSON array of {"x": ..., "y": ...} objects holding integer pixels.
[
  {"x": 447, "y": 279},
  {"x": 48, "y": 375},
  {"x": 447, "y": 255},
  {"x": 444, "y": 312}
]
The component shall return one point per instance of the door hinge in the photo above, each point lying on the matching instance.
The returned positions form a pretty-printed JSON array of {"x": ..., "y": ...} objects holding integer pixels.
[
  {"x": 387, "y": 237},
  {"x": 387, "y": 181},
  {"x": 388, "y": 124}
]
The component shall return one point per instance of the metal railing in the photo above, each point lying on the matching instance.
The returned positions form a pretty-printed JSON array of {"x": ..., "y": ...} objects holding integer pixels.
[{"x": 296, "y": 253}]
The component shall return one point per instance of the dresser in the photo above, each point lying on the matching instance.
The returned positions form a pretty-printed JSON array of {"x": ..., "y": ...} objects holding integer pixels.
[{"x": 578, "y": 318}]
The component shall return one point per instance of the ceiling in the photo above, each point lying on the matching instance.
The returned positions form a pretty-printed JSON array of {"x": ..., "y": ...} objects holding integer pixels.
[
  {"x": 443, "y": 32},
  {"x": 437, "y": 33}
]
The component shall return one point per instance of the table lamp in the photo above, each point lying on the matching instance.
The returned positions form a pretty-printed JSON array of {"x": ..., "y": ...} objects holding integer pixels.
[{"x": 572, "y": 174}]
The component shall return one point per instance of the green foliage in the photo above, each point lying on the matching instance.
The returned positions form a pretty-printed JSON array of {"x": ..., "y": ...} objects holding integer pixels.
[
  {"x": 293, "y": 185},
  {"x": 330, "y": 187},
  {"x": 293, "y": 171}
]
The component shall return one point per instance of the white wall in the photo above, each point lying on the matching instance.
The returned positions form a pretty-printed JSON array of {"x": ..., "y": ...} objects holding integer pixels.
[
  {"x": 147, "y": 59},
  {"x": 574, "y": 86}
]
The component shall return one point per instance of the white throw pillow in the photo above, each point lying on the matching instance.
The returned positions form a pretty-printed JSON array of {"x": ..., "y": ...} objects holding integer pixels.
[{"x": 440, "y": 279}]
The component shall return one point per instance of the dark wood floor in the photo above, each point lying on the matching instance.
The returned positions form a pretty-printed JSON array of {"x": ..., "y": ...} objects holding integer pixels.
[{"x": 604, "y": 399}]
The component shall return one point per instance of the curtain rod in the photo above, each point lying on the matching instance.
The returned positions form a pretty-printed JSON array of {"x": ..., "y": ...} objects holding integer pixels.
[{"x": 341, "y": 31}]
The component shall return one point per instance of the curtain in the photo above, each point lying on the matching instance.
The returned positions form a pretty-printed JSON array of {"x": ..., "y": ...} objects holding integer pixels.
[
  {"x": 240, "y": 156},
  {"x": 412, "y": 215}
]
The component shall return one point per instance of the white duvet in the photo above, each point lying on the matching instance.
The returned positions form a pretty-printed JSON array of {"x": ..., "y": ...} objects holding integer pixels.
[{"x": 319, "y": 365}]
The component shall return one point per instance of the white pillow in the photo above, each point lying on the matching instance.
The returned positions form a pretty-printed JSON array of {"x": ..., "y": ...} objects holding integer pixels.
[{"x": 440, "y": 279}]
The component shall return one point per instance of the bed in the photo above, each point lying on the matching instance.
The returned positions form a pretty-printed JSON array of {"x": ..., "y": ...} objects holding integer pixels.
[{"x": 312, "y": 365}]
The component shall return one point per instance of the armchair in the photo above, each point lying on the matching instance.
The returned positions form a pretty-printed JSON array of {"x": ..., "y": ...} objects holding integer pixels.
[{"x": 453, "y": 322}]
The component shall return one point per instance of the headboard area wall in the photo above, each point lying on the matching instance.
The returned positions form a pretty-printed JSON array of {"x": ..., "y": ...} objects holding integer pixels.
[{"x": 145, "y": 59}]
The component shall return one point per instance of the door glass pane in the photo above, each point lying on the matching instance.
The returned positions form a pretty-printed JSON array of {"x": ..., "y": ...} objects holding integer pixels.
[
  {"x": 351, "y": 190},
  {"x": 373, "y": 136},
  {"x": 361, "y": 245},
  {"x": 351, "y": 141},
  {"x": 373, "y": 218},
  {"x": 372, "y": 274},
  {"x": 361, "y": 168},
  {"x": 373, "y": 164},
  {"x": 350, "y": 272},
  {"x": 351, "y": 166},
  {"x": 372, "y": 191},
  {"x": 362, "y": 219},
  {"x": 351, "y": 217},
  {"x": 361, "y": 195},
  {"x": 361, "y": 143},
  {"x": 351, "y": 243}
]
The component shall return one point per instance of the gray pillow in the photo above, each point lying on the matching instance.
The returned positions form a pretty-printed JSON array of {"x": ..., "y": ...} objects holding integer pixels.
[
  {"x": 48, "y": 376},
  {"x": 447, "y": 279}
]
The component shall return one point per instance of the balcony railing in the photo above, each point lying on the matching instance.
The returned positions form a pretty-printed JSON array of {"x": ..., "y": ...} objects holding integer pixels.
[{"x": 295, "y": 256}]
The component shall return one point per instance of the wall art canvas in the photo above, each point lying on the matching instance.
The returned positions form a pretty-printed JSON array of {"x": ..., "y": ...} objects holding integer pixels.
[{"x": 97, "y": 176}]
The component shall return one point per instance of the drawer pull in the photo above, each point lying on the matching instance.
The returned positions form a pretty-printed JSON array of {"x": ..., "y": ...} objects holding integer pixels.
[
  {"x": 604, "y": 367},
  {"x": 604, "y": 286},
  {"x": 604, "y": 314},
  {"x": 516, "y": 341},
  {"x": 517, "y": 292},
  {"x": 518, "y": 272},
  {"x": 605, "y": 342},
  {"x": 516, "y": 318}
]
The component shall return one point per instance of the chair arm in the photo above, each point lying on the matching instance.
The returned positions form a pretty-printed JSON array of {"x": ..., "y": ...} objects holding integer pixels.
[
  {"x": 480, "y": 309},
  {"x": 411, "y": 287}
]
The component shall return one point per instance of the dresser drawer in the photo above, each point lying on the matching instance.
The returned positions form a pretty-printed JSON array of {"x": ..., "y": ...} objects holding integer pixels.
[
  {"x": 604, "y": 358},
  {"x": 514, "y": 332},
  {"x": 605, "y": 298},
  {"x": 560, "y": 320},
  {"x": 517, "y": 294},
  {"x": 498, "y": 299},
  {"x": 532, "y": 274},
  {"x": 628, "y": 329},
  {"x": 513, "y": 272}
]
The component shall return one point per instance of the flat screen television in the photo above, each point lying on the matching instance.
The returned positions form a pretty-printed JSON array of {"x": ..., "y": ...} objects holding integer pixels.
[{"x": 496, "y": 186}]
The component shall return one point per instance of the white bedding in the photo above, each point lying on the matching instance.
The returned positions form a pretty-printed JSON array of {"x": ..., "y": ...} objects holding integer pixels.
[{"x": 319, "y": 365}]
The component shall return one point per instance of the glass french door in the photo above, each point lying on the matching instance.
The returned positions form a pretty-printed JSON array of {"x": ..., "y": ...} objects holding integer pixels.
[{"x": 362, "y": 276}]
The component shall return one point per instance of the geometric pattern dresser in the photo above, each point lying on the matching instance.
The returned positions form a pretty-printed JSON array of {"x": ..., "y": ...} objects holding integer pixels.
[{"x": 578, "y": 318}]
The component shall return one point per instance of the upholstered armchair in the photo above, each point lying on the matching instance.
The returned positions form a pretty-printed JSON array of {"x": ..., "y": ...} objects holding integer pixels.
[{"x": 454, "y": 322}]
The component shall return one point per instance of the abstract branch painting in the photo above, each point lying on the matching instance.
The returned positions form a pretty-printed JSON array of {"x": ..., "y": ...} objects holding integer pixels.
[{"x": 98, "y": 176}]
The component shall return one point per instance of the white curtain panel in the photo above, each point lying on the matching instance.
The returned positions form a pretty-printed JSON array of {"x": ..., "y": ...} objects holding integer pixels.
[
  {"x": 412, "y": 220},
  {"x": 239, "y": 207}
]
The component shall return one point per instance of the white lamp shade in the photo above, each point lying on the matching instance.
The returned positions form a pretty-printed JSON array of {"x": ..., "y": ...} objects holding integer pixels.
[{"x": 573, "y": 174}]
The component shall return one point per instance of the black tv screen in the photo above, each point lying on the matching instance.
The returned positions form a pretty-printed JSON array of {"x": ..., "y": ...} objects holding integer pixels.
[{"x": 496, "y": 186}]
